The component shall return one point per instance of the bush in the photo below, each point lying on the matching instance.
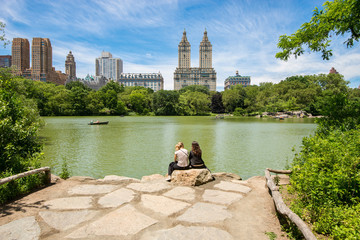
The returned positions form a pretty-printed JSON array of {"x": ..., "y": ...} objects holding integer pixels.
[
  {"x": 19, "y": 145},
  {"x": 326, "y": 181}
]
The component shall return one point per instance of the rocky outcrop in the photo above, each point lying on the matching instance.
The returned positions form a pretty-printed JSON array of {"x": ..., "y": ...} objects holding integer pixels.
[{"x": 192, "y": 177}]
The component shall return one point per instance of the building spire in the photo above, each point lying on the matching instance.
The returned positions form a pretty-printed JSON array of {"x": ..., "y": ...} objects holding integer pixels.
[
  {"x": 205, "y": 37},
  {"x": 184, "y": 38}
]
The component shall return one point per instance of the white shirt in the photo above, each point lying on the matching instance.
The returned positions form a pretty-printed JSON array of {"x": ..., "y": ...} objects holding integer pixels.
[{"x": 182, "y": 157}]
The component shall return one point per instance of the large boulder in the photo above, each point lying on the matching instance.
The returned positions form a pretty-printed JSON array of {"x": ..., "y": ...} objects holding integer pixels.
[{"x": 192, "y": 177}]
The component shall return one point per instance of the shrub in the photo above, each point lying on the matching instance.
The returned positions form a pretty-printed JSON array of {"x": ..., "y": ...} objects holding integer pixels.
[{"x": 326, "y": 181}]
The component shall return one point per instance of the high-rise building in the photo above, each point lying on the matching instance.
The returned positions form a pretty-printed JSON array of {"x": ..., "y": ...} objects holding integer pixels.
[
  {"x": 205, "y": 52},
  {"x": 41, "y": 59},
  {"x": 70, "y": 66},
  {"x": 204, "y": 75},
  {"x": 109, "y": 67},
  {"x": 20, "y": 52},
  {"x": 184, "y": 49},
  {"x": 236, "y": 80},
  {"x": 5, "y": 61},
  {"x": 155, "y": 81}
]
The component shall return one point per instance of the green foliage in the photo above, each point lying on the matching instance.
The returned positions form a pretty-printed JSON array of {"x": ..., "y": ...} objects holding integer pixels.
[
  {"x": 2, "y": 34},
  {"x": 217, "y": 105},
  {"x": 338, "y": 17},
  {"x": 271, "y": 235},
  {"x": 234, "y": 98},
  {"x": 239, "y": 112},
  {"x": 165, "y": 102},
  {"x": 65, "y": 171},
  {"x": 19, "y": 145},
  {"x": 195, "y": 88},
  {"x": 18, "y": 128},
  {"x": 194, "y": 104},
  {"x": 326, "y": 181}
]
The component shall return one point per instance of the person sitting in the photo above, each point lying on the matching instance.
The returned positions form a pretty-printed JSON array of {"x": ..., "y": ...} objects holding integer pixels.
[
  {"x": 181, "y": 160},
  {"x": 195, "y": 156}
]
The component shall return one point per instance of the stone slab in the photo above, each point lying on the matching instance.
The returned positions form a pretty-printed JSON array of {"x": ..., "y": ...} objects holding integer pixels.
[
  {"x": 152, "y": 178},
  {"x": 115, "y": 178},
  {"x": 25, "y": 228},
  {"x": 181, "y": 193},
  {"x": 205, "y": 213},
  {"x": 123, "y": 222},
  {"x": 66, "y": 220},
  {"x": 163, "y": 205},
  {"x": 221, "y": 197},
  {"x": 69, "y": 203},
  {"x": 90, "y": 189},
  {"x": 149, "y": 187},
  {"x": 188, "y": 233},
  {"x": 117, "y": 198},
  {"x": 230, "y": 186}
]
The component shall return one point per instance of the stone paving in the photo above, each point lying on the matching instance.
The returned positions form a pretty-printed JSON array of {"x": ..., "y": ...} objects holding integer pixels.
[{"x": 125, "y": 208}]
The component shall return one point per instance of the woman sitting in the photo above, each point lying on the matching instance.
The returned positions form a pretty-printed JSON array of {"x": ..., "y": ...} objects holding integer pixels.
[
  {"x": 181, "y": 161},
  {"x": 195, "y": 156}
]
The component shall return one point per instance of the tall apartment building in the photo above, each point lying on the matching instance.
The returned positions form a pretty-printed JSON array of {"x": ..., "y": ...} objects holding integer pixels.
[
  {"x": 109, "y": 67},
  {"x": 204, "y": 75},
  {"x": 70, "y": 66},
  {"x": 20, "y": 52},
  {"x": 236, "y": 80},
  {"x": 155, "y": 81},
  {"x": 41, "y": 59},
  {"x": 5, "y": 61}
]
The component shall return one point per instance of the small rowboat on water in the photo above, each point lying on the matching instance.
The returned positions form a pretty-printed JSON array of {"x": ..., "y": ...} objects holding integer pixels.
[{"x": 98, "y": 123}]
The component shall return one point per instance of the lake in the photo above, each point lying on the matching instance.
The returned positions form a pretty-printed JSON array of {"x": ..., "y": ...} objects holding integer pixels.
[{"x": 135, "y": 146}]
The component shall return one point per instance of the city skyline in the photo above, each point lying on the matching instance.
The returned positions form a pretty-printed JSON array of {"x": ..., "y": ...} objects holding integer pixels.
[{"x": 145, "y": 35}]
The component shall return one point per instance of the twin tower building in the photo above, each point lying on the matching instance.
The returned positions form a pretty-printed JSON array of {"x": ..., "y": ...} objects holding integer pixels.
[{"x": 186, "y": 75}]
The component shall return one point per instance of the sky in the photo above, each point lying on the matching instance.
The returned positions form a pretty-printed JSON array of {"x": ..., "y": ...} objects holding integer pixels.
[{"x": 145, "y": 34}]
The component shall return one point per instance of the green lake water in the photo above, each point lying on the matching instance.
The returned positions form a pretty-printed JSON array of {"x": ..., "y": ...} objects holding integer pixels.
[{"x": 137, "y": 146}]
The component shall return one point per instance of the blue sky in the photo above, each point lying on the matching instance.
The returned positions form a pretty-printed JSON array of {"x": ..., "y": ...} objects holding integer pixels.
[{"x": 145, "y": 34}]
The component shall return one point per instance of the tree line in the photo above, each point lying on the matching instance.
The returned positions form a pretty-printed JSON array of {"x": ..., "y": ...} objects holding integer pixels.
[{"x": 309, "y": 93}]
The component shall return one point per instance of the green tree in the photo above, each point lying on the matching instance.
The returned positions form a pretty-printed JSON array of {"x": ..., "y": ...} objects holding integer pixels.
[
  {"x": 2, "y": 34},
  {"x": 217, "y": 105},
  {"x": 165, "y": 102},
  {"x": 94, "y": 102},
  {"x": 194, "y": 103},
  {"x": 19, "y": 145},
  {"x": 338, "y": 17},
  {"x": 112, "y": 86},
  {"x": 234, "y": 98},
  {"x": 77, "y": 99},
  {"x": 195, "y": 88},
  {"x": 140, "y": 101},
  {"x": 81, "y": 85}
]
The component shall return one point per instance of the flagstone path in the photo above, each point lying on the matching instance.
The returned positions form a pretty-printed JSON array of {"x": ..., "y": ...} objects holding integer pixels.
[{"x": 125, "y": 208}]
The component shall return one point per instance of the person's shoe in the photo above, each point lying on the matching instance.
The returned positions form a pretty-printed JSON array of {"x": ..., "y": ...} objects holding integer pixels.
[{"x": 168, "y": 179}]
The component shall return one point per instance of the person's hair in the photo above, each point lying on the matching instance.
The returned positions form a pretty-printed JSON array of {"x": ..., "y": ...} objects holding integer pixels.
[
  {"x": 177, "y": 147},
  {"x": 195, "y": 148},
  {"x": 181, "y": 144}
]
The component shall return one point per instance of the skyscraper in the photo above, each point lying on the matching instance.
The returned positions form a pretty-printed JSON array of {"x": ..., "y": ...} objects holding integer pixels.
[
  {"x": 184, "y": 49},
  {"x": 5, "y": 61},
  {"x": 109, "y": 67},
  {"x": 70, "y": 66},
  {"x": 204, "y": 75},
  {"x": 205, "y": 52},
  {"x": 20, "y": 51},
  {"x": 41, "y": 59}
]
